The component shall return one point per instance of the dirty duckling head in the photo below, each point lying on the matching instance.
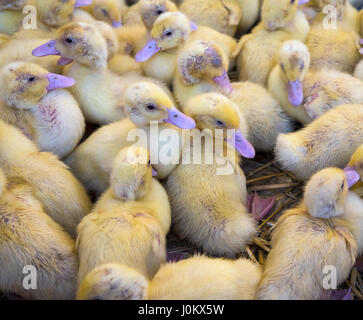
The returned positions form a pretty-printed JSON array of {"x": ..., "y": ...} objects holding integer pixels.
[
  {"x": 214, "y": 111},
  {"x": 169, "y": 31},
  {"x": 23, "y": 85},
  {"x": 77, "y": 41},
  {"x": 279, "y": 13},
  {"x": 131, "y": 174},
  {"x": 202, "y": 60},
  {"x": 108, "y": 11},
  {"x": 326, "y": 192},
  {"x": 294, "y": 62},
  {"x": 145, "y": 102},
  {"x": 150, "y": 10}
]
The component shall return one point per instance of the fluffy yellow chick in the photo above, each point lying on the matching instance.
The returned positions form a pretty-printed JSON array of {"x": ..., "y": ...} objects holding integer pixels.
[
  {"x": 109, "y": 11},
  {"x": 168, "y": 34},
  {"x": 329, "y": 141},
  {"x": 98, "y": 90},
  {"x": 222, "y": 15},
  {"x": 311, "y": 237},
  {"x": 264, "y": 115},
  {"x": 281, "y": 20},
  {"x": 307, "y": 94},
  {"x": 197, "y": 278},
  {"x": 62, "y": 196},
  {"x": 28, "y": 237},
  {"x": 208, "y": 203},
  {"x": 356, "y": 163},
  {"x": 145, "y": 12},
  {"x": 129, "y": 222},
  {"x": 201, "y": 67},
  {"x": 32, "y": 99},
  {"x": 144, "y": 101}
]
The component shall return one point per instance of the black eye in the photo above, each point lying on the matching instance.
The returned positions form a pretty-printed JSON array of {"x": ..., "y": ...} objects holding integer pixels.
[
  {"x": 342, "y": 186},
  {"x": 292, "y": 1},
  {"x": 168, "y": 34},
  {"x": 104, "y": 12},
  {"x": 159, "y": 11},
  {"x": 220, "y": 123},
  {"x": 150, "y": 107},
  {"x": 31, "y": 79},
  {"x": 69, "y": 40}
]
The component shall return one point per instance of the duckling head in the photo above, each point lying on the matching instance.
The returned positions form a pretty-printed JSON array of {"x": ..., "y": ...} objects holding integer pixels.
[
  {"x": 294, "y": 62},
  {"x": 326, "y": 192},
  {"x": 23, "y": 84},
  {"x": 113, "y": 281},
  {"x": 214, "y": 111},
  {"x": 110, "y": 37},
  {"x": 170, "y": 30},
  {"x": 150, "y": 10},
  {"x": 356, "y": 162},
  {"x": 131, "y": 174},
  {"x": 58, "y": 12},
  {"x": 145, "y": 102},
  {"x": 77, "y": 41},
  {"x": 279, "y": 13},
  {"x": 108, "y": 11},
  {"x": 206, "y": 61}
]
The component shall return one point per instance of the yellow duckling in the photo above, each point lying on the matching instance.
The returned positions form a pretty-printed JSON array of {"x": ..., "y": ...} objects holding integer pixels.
[
  {"x": 98, "y": 90},
  {"x": 129, "y": 222},
  {"x": 208, "y": 204},
  {"x": 201, "y": 67},
  {"x": 196, "y": 278},
  {"x": 29, "y": 238},
  {"x": 307, "y": 94},
  {"x": 281, "y": 20},
  {"x": 33, "y": 101},
  {"x": 329, "y": 141},
  {"x": 62, "y": 196},
  {"x": 311, "y": 238},
  {"x": 168, "y": 34},
  {"x": 91, "y": 162},
  {"x": 222, "y": 15},
  {"x": 49, "y": 14},
  {"x": 356, "y": 164},
  {"x": 145, "y": 12},
  {"x": 108, "y": 11}
]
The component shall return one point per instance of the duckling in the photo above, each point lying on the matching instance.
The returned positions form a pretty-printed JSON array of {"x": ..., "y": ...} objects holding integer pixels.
[
  {"x": 256, "y": 52},
  {"x": 129, "y": 222},
  {"x": 310, "y": 237},
  {"x": 98, "y": 91},
  {"x": 307, "y": 94},
  {"x": 264, "y": 115},
  {"x": 222, "y": 15},
  {"x": 169, "y": 33},
  {"x": 145, "y": 102},
  {"x": 34, "y": 102},
  {"x": 196, "y": 278},
  {"x": 210, "y": 209},
  {"x": 62, "y": 196},
  {"x": 250, "y": 11},
  {"x": 328, "y": 141},
  {"x": 29, "y": 237},
  {"x": 201, "y": 67},
  {"x": 108, "y": 11},
  {"x": 145, "y": 12},
  {"x": 356, "y": 164}
]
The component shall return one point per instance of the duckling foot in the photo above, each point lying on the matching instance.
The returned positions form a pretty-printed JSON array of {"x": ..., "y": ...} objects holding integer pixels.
[{"x": 258, "y": 206}]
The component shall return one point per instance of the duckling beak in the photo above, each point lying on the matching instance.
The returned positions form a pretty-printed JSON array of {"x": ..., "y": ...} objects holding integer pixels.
[
  {"x": 352, "y": 176},
  {"x": 241, "y": 144},
  {"x": 179, "y": 119},
  {"x": 224, "y": 83},
  {"x": 64, "y": 61},
  {"x": 193, "y": 26},
  {"x": 154, "y": 172},
  {"x": 301, "y": 2},
  {"x": 46, "y": 49},
  {"x": 57, "y": 81},
  {"x": 295, "y": 92},
  {"x": 82, "y": 3},
  {"x": 148, "y": 51},
  {"x": 116, "y": 24}
]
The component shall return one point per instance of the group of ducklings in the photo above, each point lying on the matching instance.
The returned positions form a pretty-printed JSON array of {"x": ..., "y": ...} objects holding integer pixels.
[{"x": 118, "y": 67}]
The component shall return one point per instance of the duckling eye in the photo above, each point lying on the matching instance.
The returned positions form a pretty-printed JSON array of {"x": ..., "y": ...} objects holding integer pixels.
[
  {"x": 159, "y": 11},
  {"x": 31, "y": 79},
  {"x": 292, "y": 1},
  {"x": 69, "y": 40},
  {"x": 150, "y": 107},
  {"x": 168, "y": 33},
  {"x": 342, "y": 186},
  {"x": 220, "y": 123},
  {"x": 104, "y": 12}
]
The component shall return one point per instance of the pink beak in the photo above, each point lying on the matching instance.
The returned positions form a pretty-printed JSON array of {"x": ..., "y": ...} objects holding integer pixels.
[
  {"x": 82, "y": 3},
  {"x": 57, "y": 81}
]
